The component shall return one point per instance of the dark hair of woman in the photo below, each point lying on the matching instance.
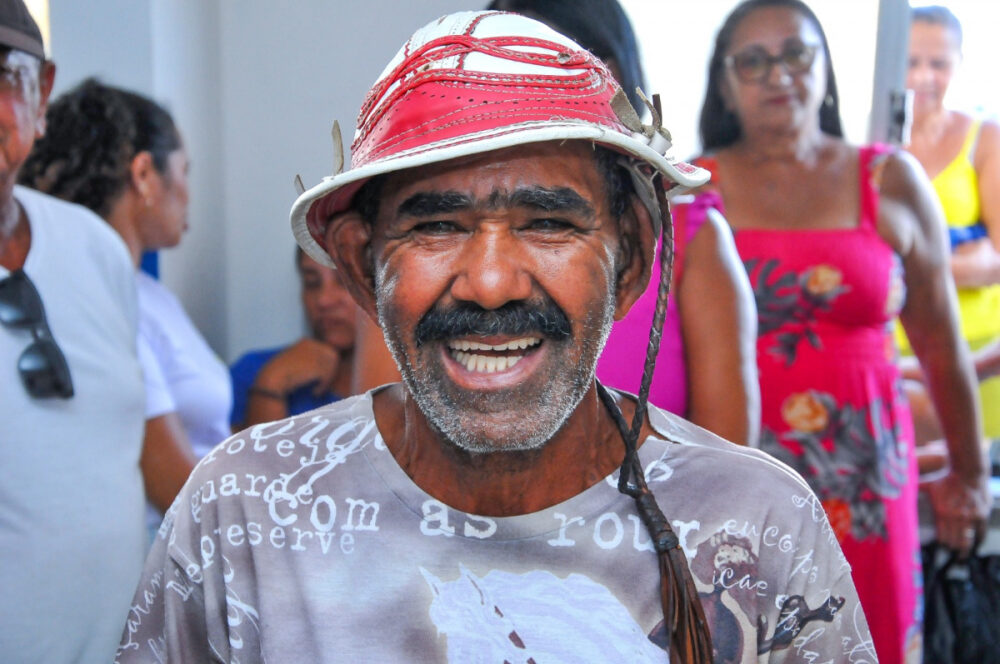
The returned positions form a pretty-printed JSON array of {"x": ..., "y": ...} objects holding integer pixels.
[
  {"x": 719, "y": 127},
  {"x": 938, "y": 15},
  {"x": 92, "y": 134},
  {"x": 600, "y": 26}
]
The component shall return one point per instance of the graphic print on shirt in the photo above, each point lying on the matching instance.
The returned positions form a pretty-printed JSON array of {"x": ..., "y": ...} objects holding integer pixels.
[
  {"x": 295, "y": 488},
  {"x": 727, "y": 563},
  {"x": 791, "y": 301},
  {"x": 825, "y": 439},
  {"x": 315, "y": 504},
  {"x": 507, "y": 617}
]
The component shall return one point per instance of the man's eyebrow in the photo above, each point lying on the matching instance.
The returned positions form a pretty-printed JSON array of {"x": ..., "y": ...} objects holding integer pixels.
[
  {"x": 557, "y": 199},
  {"x": 429, "y": 204}
]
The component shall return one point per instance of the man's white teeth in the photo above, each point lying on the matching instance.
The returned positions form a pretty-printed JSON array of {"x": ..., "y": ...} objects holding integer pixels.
[
  {"x": 484, "y": 364},
  {"x": 473, "y": 361},
  {"x": 523, "y": 342}
]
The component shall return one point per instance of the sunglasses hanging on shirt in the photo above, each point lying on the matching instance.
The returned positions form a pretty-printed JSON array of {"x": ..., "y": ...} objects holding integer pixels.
[{"x": 42, "y": 365}]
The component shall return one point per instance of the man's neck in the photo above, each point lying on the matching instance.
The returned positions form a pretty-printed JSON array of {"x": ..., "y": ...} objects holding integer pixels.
[{"x": 582, "y": 453}]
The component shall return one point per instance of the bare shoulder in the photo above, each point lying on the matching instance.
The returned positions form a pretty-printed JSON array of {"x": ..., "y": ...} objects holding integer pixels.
[
  {"x": 709, "y": 240},
  {"x": 988, "y": 143},
  {"x": 900, "y": 175},
  {"x": 908, "y": 208}
]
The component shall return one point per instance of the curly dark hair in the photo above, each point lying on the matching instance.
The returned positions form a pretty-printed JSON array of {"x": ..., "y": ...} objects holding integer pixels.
[
  {"x": 718, "y": 126},
  {"x": 93, "y": 132}
]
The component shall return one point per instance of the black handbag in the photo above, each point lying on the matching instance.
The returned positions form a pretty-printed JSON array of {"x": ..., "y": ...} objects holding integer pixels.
[{"x": 961, "y": 607}]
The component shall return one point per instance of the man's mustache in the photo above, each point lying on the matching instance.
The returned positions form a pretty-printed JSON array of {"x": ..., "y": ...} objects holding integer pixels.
[{"x": 520, "y": 318}]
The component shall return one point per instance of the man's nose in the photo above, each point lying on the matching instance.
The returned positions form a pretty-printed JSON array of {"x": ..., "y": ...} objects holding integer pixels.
[{"x": 492, "y": 269}]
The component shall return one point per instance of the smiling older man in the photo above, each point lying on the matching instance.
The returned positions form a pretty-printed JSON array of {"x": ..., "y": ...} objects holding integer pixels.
[{"x": 501, "y": 210}]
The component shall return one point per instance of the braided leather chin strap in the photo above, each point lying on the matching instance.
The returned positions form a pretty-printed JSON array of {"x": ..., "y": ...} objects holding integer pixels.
[{"x": 688, "y": 637}]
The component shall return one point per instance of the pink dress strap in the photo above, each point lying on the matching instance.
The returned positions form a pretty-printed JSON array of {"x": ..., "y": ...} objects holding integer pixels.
[{"x": 870, "y": 159}]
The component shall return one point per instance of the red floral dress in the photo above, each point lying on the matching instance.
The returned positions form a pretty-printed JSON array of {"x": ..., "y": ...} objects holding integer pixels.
[{"x": 832, "y": 406}]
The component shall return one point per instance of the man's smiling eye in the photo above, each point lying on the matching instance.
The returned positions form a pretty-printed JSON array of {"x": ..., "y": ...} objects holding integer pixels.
[{"x": 435, "y": 227}]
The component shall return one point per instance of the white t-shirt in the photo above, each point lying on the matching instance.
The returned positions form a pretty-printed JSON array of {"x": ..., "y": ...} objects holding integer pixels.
[
  {"x": 304, "y": 541},
  {"x": 183, "y": 374},
  {"x": 71, "y": 494}
]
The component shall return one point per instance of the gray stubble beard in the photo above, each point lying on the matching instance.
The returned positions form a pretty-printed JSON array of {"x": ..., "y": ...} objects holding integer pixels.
[{"x": 456, "y": 423}]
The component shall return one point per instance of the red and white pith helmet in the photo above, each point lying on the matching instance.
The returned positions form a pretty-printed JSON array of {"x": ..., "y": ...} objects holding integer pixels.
[{"x": 473, "y": 82}]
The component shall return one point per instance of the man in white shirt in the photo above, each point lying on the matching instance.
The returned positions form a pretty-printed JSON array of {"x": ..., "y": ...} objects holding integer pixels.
[{"x": 71, "y": 396}]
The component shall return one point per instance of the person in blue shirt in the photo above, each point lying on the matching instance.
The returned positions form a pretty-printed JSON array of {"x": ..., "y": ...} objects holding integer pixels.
[{"x": 316, "y": 370}]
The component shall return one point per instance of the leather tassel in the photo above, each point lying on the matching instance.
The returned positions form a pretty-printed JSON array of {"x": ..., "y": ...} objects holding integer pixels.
[{"x": 687, "y": 634}]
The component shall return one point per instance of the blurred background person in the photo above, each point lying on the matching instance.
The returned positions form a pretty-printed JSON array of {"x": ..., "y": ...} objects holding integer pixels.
[
  {"x": 837, "y": 240},
  {"x": 71, "y": 404},
  {"x": 120, "y": 154},
  {"x": 932, "y": 451},
  {"x": 961, "y": 155},
  {"x": 316, "y": 370}
]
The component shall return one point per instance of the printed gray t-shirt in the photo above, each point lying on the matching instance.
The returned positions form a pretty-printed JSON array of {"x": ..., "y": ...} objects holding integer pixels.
[{"x": 304, "y": 541}]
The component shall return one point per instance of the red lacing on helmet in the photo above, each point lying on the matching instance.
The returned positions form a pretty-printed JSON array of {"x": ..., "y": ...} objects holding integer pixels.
[{"x": 414, "y": 70}]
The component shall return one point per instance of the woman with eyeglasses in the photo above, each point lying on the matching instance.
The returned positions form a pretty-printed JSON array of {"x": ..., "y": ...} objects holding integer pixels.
[
  {"x": 838, "y": 240},
  {"x": 121, "y": 155}
]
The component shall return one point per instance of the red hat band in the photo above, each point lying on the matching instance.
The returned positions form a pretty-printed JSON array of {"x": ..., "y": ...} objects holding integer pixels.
[{"x": 420, "y": 105}]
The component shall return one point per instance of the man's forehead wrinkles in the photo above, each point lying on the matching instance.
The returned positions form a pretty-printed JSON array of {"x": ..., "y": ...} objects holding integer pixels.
[{"x": 554, "y": 199}]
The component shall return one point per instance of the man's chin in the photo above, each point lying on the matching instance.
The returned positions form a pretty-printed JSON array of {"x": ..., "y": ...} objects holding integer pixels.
[
  {"x": 482, "y": 442},
  {"x": 497, "y": 423}
]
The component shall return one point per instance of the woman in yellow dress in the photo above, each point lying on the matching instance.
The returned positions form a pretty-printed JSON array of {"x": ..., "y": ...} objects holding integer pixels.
[{"x": 961, "y": 155}]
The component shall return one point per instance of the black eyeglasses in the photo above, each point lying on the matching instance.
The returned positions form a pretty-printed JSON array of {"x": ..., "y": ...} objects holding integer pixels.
[
  {"x": 42, "y": 365},
  {"x": 754, "y": 64}
]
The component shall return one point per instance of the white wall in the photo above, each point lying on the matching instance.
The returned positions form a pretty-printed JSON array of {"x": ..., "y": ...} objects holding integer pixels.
[{"x": 111, "y": 39}]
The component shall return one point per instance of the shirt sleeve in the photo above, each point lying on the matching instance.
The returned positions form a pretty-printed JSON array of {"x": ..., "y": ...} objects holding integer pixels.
[
  {"x": 166, "y": 620},
  {"x": 816, "y": 615},
  {"x": 159, "y": 401}
]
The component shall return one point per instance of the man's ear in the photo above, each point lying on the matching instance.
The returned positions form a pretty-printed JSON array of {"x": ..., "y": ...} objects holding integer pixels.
[
  {"x": 348, "y": 241},
  {"x": 636, "y": 251}
]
